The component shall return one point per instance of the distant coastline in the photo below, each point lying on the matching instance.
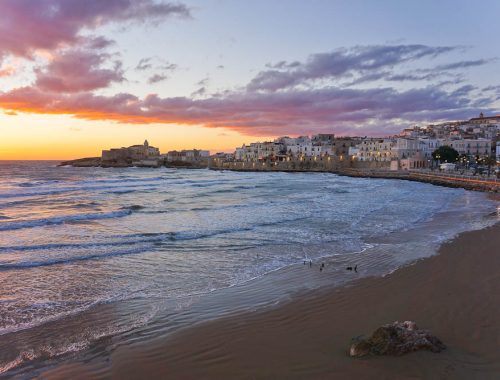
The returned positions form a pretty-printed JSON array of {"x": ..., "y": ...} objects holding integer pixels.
[{"x": 350, "y": 169}]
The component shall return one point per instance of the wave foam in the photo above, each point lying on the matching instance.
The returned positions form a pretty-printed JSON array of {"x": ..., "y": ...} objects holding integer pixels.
[{"x": 9, "y": 226}]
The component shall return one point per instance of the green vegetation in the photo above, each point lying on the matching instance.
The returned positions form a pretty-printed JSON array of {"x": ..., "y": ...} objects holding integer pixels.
[{"x": 445, "y": 153}]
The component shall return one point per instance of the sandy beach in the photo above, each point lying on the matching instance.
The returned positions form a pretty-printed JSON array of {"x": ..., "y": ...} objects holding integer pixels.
[{"x": 455, "y": 294}]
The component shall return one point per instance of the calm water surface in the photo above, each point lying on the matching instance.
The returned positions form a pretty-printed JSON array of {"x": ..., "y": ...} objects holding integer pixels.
[{"x": 88, "y": 254}]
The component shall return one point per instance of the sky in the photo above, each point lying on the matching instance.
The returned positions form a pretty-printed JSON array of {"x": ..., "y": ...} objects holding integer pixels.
[{"x": 79, "y": 76}]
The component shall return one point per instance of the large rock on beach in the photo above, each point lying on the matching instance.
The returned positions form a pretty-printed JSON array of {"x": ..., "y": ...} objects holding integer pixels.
[{"x": 396, "y": 339}]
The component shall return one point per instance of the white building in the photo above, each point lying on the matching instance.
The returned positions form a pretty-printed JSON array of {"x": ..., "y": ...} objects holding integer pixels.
[
  {"x": 192, "y": 155},
  {"x": 428, "y": 145},
  {"x": 484, "y": 120},
  {"x": 405, "y": 148},
  {"x": 300, "y": 146},
  {"x": 470, "y": 147},
  {"x": 258, "y": 151},
  {"x": 353, "y": 151},
  {"x": 376, "y": 150}
]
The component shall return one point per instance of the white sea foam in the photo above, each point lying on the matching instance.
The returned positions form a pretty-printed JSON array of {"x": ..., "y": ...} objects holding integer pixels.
[{"x": 179, "y": 235}]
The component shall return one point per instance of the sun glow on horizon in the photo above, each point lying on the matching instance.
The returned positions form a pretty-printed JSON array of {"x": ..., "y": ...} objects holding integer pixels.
[{"x": 62, "y": 137}]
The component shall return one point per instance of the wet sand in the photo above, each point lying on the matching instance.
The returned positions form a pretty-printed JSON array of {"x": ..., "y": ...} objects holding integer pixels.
[{"x": 455, "y": 294}]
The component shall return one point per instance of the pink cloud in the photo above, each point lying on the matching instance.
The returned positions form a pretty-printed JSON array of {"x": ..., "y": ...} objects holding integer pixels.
[
  {"x": 7, "y": 70},
  {"x": 30, "y": 25},
  {"x": 306, "y": 111},
  {"x": 78, "y": 70},
  {"x": 65, "y": 86}
]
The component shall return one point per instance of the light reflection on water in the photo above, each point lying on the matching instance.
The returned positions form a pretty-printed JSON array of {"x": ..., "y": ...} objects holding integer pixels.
[{"x": 72, "y": 239}]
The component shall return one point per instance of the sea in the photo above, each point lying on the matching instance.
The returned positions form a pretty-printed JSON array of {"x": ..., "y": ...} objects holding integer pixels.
[{"x": 96, "y": 258}]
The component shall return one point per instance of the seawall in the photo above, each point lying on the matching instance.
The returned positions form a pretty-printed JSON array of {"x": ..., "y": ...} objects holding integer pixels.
[
  {"x": 439, "y": 179},
  {"x": 373, "y": 169}
]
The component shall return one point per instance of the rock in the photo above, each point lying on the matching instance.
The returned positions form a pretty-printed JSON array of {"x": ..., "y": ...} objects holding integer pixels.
[
  {"x": 83, "y": 162},
  {"x": 396, "y": 339}
]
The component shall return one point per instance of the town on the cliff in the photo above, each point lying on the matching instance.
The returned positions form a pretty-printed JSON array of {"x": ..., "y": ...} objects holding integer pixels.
[{"x": 474, "y": 144}]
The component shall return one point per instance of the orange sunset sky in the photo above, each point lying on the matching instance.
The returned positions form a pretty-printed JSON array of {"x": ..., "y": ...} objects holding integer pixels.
[{"x": 77, "y": 76}]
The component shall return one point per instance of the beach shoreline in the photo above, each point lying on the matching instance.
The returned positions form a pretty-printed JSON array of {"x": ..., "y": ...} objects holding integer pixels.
[{"x": 452, "y": 294}]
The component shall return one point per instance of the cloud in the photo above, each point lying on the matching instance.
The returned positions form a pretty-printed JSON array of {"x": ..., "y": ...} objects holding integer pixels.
[
  {"x": 30, "y": 25},
  {"x": 7, "y": 70},
  {"x": 77, "y": 70},
  {"x": 283, "y": 65},
  {"x": 341, "y": 64},
  {"x": 157, "y": 78},
  {"x": 164, "y": 69},
  {"x": 199, "y": 92},
  {"x": 144, "y": 64},
  {"x": 203, "y": 82},
  {"x": 60, "y": 28},
  {"x": 289, "y": 106},
  {"x": 446, "y": 70},
  {"x": 276, "y": 113},
  {"x": 494, "y": 89},
  {"x": 464, "y": 64}
]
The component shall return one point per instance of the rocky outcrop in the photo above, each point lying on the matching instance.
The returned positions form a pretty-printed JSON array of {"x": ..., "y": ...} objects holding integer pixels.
[
  {"x": 83, "y": 162},
  {"x": 98, "y": 162},
  {"x": 396, "y": 339}
]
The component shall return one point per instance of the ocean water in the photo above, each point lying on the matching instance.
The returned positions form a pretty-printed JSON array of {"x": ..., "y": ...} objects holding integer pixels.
[{"x": 89, "y": 254}]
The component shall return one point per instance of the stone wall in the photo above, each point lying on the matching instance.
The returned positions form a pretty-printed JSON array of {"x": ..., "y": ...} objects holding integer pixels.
[{"x": 324, "y": 164}]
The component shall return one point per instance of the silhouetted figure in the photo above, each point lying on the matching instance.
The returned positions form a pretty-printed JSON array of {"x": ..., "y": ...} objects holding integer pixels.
[
  {"x": 349, "y": 268},
  {"x": 322, "y": 265},
  {"x": 304, "y": 262},
  {"x": 310, "y": 263},
  {"x": 320, "y": 268},
  {"x": 356, "y": 268}
]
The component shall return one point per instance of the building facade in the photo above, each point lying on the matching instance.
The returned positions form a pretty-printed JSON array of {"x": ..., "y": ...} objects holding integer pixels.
[{"x": 132, "y": 153}]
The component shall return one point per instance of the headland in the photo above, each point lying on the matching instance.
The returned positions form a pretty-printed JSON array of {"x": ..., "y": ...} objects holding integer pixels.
[{"x": 144, "y": 155}]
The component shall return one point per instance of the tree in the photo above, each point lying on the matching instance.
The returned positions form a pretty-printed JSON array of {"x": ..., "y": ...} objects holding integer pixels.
[
  {"x": 490, "y": 161},
  {"x": 445, "y": 153}
]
